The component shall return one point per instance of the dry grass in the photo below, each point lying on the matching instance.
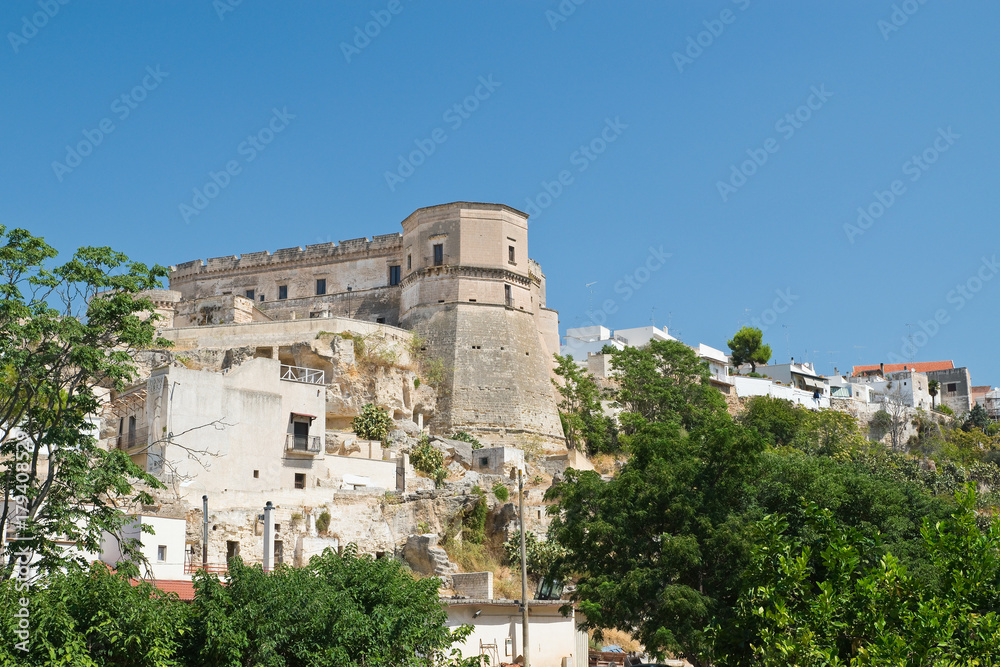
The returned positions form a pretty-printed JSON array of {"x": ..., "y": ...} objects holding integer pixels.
[
  {"x": 619, "y": 637},
  {"x": 604, "y": 463}
]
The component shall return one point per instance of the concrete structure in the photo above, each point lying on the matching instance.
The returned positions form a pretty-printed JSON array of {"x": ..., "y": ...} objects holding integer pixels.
[
  {"x": 556, "y": 641},
  {"x": 459, "y": 275},
  {"x": 746, "y": 387},
  {"x": 718, "y": 366},
  {"x": 800, "y": 376},
  {"x": 165, "y": 550},
  {"x": 498, "y": 460},
  {"x": 583, "y": 342},
  {"x": 842, "y": 388},
  {"x": 992, "y": 404},
  {"x": 908, "y": 386},
  {"x": 919, "y": 366},
  {"x": 954, "y": 388}
]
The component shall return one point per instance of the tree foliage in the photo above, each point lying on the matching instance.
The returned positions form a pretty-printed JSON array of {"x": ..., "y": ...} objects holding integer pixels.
[
  {"x": 664, "y": 381},
  {"x": 748, "y": 347},
  {"x": 836, "y": 598},
  {"x": 67, "y": 331},
  {"x": 372, "y": 423},
  {"x": 338, "y": 611},
  {"x": 580, "y": 410}
]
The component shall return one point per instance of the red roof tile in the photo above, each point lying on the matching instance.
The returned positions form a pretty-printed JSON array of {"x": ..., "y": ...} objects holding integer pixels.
[
  {"x": 183, "y": 587},
  {"x": 918, "y": 366}
]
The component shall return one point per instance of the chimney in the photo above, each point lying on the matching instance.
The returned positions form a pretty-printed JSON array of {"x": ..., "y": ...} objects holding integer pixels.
[{"x": 881, "y": 369}]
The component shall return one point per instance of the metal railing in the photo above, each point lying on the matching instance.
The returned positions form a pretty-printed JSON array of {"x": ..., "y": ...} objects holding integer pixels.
[
  {"x": 307, "y": 444},
  {"x": 300, "y": 374},
  {"x": 137, "y": 438}
]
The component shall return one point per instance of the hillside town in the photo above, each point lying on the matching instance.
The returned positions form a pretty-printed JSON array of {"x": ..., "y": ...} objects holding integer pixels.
[{"x": 248, "y": 414}]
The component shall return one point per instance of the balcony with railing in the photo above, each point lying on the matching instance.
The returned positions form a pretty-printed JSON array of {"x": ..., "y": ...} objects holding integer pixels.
[
  {"x": 132, "y": 439},
  {"x": 302, "y": 444},
  {"x": 304, "y": 375}
]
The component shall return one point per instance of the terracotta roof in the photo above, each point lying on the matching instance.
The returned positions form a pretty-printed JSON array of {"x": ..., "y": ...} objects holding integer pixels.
[
  {"x": 918, "y": 366},
  {"x": 184, "y": 588}
]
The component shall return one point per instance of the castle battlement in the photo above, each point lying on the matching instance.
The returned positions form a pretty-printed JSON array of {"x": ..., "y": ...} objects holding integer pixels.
[{"x": 378, "y": 246}]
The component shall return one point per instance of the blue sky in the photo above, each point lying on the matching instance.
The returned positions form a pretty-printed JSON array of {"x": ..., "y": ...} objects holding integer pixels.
[{"x": 737, "y": 136}]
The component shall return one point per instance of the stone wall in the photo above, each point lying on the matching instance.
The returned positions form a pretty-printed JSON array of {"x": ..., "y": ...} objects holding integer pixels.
[
  {"x": 959, "y": 400},
  {"x": 497, "y": 383},
  {"x": 477, "y": 585}
]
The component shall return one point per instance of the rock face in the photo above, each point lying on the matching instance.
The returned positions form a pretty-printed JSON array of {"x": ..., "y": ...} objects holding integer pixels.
[{"x": 426, "y": 557}]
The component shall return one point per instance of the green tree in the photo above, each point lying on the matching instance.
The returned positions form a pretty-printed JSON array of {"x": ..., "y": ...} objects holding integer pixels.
[
  {"x": 93, "y": 618},
  {"x": 583, "y": 419},
  {"x": 373, "y": 423},
  {"x": 66, "y": 330},
  {"x": 664, "y": 381},
  {"x": 977, "y": 418},
  {"x": 748, "y": 348},
  {"x": 777, "y": 420},
  {"x": 656, "y": 550},
  {"x": 339, "y": 611},
  {"x": 932, "y": 389},
  {"x": 835, "y": 598}
]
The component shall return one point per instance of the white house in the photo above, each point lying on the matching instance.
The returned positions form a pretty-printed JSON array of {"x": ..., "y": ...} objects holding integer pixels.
[
  {"x": 556, "y": 641},
  {"x": 164, "y": 550}
]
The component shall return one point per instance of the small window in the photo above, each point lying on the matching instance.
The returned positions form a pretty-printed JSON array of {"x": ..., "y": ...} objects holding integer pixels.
[
  {"x": 393, "y": 275},
  {"x": 510, "y": 254},
  {"x": 321, "y": 286},
  {"x": 484, "y": 461},
  {"x": 282, "y": 292},
  {"x": 232, "y": 550},
  {"x": 508, "y": 296},
  {"x": 952, "y": 387},
  {"x": 277, "y": 527},
  {"x": 379, "y": 320},
  {"x": 409, "y": 262},
  {"x": 161, "y": 553},
  {"x": 300, "y": 480},
  {"x": 279, "y": 552},
  {"x": 256, "y": 474},
  {"x": 262, "y": 298},
  {"x": 251, "y": 294},
  {"x": 438, "y": 254}
]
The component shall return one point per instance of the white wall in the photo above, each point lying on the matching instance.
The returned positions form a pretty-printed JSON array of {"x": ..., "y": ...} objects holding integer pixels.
[
  {"x": 762, "y": 387},
  {"x": 167, "y": 532},
  {"x": 553, "y": 636}
]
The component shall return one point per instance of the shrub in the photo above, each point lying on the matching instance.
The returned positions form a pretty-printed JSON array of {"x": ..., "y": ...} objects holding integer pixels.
[
  {"x": 944, "y": 409},
  {"x": 373, "y": 423},
  {"x": 540, "y": 555},
  {"x": 466, "y": 437},
  {"x": 474, "y": 521},
  {"x": 500, "y": 491},
  {"x": 433, "y": 372},
  {"x": 323, "y": 522},
  {"x": 425, "y": 457}
]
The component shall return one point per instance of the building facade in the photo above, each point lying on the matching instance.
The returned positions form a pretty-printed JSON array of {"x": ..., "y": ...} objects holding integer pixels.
[{"x": 459, "y": 276}]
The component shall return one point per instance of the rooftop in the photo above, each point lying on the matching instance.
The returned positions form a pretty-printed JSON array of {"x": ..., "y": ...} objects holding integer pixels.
[{"x": 918, "y": 366}]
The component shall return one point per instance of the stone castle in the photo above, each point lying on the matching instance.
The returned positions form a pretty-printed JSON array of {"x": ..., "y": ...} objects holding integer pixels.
[{"x": 458, "y": 276}]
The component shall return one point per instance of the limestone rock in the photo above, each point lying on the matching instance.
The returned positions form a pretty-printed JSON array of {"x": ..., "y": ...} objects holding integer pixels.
[{"x": 426, "y": 557}]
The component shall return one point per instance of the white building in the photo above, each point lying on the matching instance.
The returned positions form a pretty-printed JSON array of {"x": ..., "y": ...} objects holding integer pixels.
[
  {"x": 906, "y": 386},
  {"x": 718, "y": 366},
  {"x": 764, "y": 387},
  {"x": 800, "y": 376},
  {"x": 556, "y": 641},
  {"x": 582, "y": 342},
  {"x": 165, "y": 549}
]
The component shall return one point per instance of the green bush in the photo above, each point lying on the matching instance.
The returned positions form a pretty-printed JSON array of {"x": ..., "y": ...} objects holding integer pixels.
[
  {"x": 323, "y": 522},
  {"x": 540, "y": 555},
  {"x": 467, "y": 437},
  {"x": 474, "y": 522},
  {"x": 944, "y": 409},
  {"x": 425, "y": 457},
  {"x": 500, "y": 491},
  {"x": 373, "y": 423}
]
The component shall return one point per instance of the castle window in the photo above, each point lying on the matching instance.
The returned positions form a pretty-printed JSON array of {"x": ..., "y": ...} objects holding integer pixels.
[
  {"x": 256, "y": 474},
  {"x": 409, "y": 262},
  {"x": 952, "y": 387},
  {"x": 321, "y": 286},
  {"x": 508, "y": 296},
  {"x": 393, "y": 275},
  {"x": 300, "y": 480},
  {"x": 510, "y": 254},
  {"x": 282, "y": 292},
  {"x": 262, "y": 298},
  {"x": 438, "y": 254},
  {"x": 251, "y": 295}
]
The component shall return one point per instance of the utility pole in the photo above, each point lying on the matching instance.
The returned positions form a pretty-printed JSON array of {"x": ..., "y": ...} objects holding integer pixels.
[
  {"x": 204, "y": 533},
  {"x": 524, "y": 572}
]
